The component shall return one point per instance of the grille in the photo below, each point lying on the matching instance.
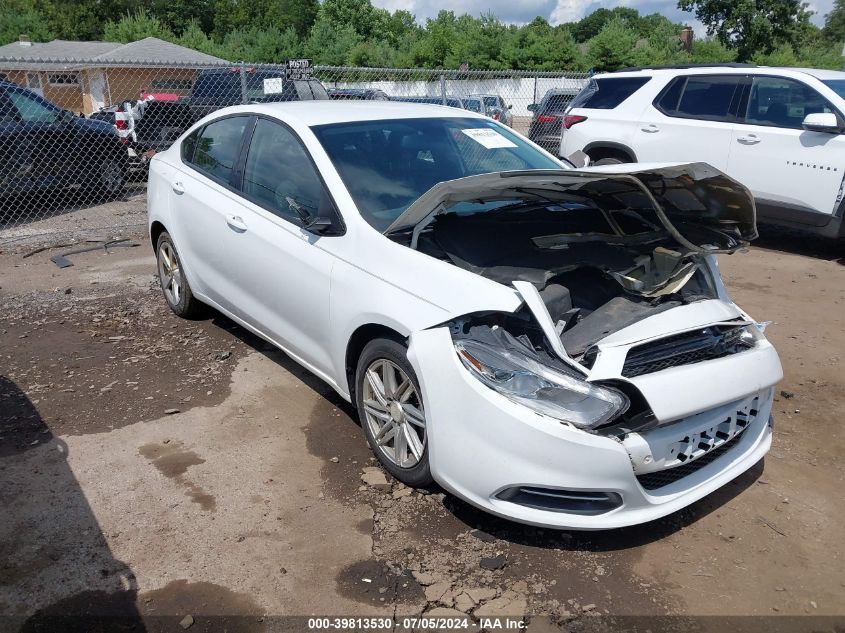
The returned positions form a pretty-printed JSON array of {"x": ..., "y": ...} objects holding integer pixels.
[
  {"x": 653, "y": 481},
  {"x": 697, "y": 346}
]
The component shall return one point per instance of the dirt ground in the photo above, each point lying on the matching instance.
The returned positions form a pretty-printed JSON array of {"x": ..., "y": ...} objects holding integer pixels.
[{"x": 158, "y": 467}]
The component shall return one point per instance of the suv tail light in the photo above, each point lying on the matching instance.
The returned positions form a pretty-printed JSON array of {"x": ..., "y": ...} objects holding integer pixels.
[
  {"x": 571, "y": 119},
  {"x": 121, "y": 124},
  {"x": 545, "y": 118}
]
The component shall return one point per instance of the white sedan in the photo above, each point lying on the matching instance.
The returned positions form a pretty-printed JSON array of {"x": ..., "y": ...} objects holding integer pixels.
[{"x": 552, "y": 345}]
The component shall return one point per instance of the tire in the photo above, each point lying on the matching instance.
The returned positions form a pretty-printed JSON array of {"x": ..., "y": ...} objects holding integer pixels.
[
  {"x": 393, "y": 417},
  {"x": 174, "y": 285},
  {"x": 608, "y": 161},
  {"x": 109, "y": 177}
]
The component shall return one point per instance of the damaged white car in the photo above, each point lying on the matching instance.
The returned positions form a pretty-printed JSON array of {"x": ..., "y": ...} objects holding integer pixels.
[{"x": 552, "y": 345}]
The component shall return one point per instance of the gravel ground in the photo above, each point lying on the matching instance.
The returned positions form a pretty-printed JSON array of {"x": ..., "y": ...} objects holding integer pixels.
[{"x": 153, "y": 466}]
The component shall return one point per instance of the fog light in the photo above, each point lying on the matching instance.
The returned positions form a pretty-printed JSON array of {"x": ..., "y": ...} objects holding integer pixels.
[{"x": 584, "y": 502}]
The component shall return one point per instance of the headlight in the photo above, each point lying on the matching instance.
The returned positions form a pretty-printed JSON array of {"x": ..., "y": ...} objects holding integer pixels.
[{"x": 536, "y": 386}]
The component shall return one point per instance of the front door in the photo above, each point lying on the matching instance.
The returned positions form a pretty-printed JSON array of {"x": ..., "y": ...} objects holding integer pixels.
[
  {"x": 794, "y": 174},
  {"x": 97, "y": 89},
  {"x": 284, "y": 270},
  {"x": 33, "y": 82}
]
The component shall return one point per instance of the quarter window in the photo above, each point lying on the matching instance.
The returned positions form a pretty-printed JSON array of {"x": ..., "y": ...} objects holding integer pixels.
[
  {"x": 279, "y": 175},
  {"x": 217, "y": 147},
  {"x": 779, "y": 102},
  {"x": 701, "y": 97},
  {"x": 606, "y": 94}
]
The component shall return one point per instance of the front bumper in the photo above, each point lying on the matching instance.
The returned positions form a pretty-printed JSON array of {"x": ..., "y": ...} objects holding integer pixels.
[{"x": 480, "y": 444}]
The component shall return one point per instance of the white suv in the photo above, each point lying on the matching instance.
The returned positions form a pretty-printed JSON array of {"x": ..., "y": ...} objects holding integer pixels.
[{"x": 779, "y": 131}]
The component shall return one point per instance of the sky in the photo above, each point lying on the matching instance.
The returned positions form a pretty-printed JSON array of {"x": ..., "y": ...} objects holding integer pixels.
[{"x": 558, "y": 11}]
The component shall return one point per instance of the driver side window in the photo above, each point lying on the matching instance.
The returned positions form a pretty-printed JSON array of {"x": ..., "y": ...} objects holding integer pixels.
[
  {"x": 279, "y": 175},
  {"x": 780, "y": 102}
]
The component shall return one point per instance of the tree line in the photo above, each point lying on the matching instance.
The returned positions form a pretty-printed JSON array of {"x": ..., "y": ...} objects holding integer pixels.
[{"x": 354, "y": 32}]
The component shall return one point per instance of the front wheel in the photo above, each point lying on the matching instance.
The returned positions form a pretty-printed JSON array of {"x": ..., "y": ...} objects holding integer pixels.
[
  {"x": 110, "y": 176},
  {"x": 391, "y": 411}
]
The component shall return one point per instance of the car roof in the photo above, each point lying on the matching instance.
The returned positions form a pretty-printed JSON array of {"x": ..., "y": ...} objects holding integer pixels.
[
  {"x": 322, "y": 112},
  {"x": 726, "y": 69}
]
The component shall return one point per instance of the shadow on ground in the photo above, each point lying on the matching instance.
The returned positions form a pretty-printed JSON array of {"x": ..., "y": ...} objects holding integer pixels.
[{"x": 50, "y": 541}]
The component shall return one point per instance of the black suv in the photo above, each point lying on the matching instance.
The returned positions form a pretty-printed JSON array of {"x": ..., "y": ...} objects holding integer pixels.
[
  {"x": 221, "y": 87},
  {"x": 547, "y": 119},
  {"x": 44, "y": 148}
]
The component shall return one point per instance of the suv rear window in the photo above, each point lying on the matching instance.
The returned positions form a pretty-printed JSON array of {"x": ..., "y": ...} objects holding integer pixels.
[
  {"x": 606, "y": 94},
  {"x": 709, "y": 97}
]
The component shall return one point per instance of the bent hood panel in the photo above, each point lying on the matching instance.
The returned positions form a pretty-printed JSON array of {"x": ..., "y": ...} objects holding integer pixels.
[{"x": 701, "y": 207}]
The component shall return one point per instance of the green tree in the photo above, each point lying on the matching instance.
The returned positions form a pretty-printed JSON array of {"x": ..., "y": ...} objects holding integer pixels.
[
  {"x": 751, "y": 26},
  {"x": 834, "y": 25},
  {"x": 261, "y": 46},
  {"x": 136, "y": 26},
  {"x": 613, "y": 47},
  {"x": 20, "y": 17},
  {"x": 329, "y": 45},
  {"x": 81, "y": 19},
  {"x": 711, "y": 51},
  {"x": 367, "y": 21}
]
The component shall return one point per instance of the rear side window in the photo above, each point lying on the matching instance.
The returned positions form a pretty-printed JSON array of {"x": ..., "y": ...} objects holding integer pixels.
[
  {"x": 708, "y": 97},
  {"x": 606, "y": 94},
  {"x": 217, "y": 147}
]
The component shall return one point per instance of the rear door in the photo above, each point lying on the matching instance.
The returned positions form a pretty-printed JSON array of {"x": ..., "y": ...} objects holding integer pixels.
[
  {"x": 206, "y": 208},
  {"x": 794, "y": 174},
  {"x": 691, "y": 120}
]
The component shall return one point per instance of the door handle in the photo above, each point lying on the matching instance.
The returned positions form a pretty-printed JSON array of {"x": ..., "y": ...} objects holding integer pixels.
[
  {"x": 650, "y": 129},
  {"x": 236, "y": 222},
  {"x": 178, "y": 188},
  {"x": 751, "y": 139}
]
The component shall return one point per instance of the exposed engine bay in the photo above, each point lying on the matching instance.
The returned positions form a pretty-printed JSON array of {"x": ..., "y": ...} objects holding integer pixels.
[{"x": 603, "y": 250}]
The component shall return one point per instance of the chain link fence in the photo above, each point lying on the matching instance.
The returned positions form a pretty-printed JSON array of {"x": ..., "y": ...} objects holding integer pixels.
[{"x": 76, "y": 136}]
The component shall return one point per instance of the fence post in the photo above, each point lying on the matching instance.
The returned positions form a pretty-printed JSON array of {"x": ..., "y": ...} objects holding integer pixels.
[
  {"x": 443, "y": 88},
  {"x": 244, "y": 99},
  {"x": 535, "y": 89}
]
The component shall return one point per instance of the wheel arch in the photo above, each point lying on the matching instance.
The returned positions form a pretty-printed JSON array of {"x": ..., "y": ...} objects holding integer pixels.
[
  {"x": 156, "y": 229},
  {"x": 359, "y": 339},
  {"x": 611, "y": 149}
]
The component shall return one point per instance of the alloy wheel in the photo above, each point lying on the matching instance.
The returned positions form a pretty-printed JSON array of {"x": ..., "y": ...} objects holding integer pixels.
[
  {"x": 394, "y": 413},
  {"x": 170, "y": 273}
]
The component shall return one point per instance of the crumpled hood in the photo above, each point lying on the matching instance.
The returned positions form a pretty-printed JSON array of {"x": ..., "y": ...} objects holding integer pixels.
[{"x": 700, "y": 206}]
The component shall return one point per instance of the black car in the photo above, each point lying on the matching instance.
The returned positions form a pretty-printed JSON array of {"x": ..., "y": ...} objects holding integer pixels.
[
  {"x": 44, "y": 148},
  {"x": 221, "y": 87},
  {"x": 358, "y": 94},
  {"x": 547, "y": 120}
]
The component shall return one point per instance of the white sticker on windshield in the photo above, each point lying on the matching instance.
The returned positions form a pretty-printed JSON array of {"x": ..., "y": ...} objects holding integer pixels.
[
  {"x": 488, "y": 137},
  {"x": 273, "y": 86}
]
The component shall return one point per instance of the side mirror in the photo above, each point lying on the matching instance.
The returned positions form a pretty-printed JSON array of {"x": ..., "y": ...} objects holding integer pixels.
[
  {"x": 532, "y": 107},
  {"x": 822, "y": 122},
  {"x": 310, "y": 221}
]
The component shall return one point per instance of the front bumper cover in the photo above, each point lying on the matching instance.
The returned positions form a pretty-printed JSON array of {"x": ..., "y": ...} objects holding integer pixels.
[{"x": 480, "y": 444}]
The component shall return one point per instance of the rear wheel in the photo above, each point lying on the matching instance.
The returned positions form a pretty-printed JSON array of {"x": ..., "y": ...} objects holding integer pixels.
[
  {"x": 174, "y": 284},
  {"x": 391, "y": 411}
]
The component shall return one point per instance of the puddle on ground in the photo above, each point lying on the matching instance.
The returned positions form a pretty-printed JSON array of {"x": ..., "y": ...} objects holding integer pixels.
[
  {"x": 173, "y": 461},
  {"x": 377, "y": 583}
]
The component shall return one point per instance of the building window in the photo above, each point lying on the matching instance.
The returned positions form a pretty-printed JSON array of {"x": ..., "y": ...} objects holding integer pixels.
[
  {"x": 63, "y": 79},
  {"x": 33, "y": 81}
]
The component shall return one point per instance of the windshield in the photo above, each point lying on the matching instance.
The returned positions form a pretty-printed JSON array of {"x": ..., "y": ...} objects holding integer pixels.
[
  {"x": 837, "y": 85},
  {"x": 388, "y": 164}
]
